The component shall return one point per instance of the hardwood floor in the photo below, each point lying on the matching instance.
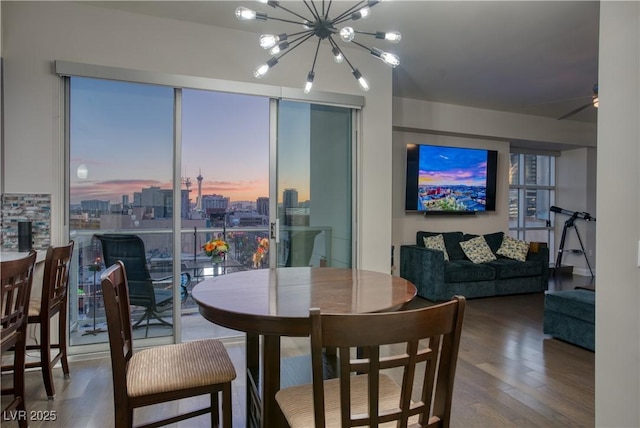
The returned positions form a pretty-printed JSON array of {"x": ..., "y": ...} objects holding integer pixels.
[{"x": 509, "y": 374}]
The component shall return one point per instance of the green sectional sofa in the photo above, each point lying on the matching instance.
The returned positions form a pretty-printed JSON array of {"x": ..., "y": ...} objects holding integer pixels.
[{"x": 438, "y": 279}]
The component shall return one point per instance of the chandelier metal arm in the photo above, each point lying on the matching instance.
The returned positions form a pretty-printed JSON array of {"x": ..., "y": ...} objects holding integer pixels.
[
  {"x": 315, "y": 57},
  {"x": 293, "y": 13},
  {"x": 283, "y": 20},
  {"x": 346, "y": 15},
  {"x": 326, "y": 13},
  {"x": 361, "y": 45},
  {"x": 335, "y": 45},
  {"x": 298, "y": 42},
  {"x": 312, "y": 8}
]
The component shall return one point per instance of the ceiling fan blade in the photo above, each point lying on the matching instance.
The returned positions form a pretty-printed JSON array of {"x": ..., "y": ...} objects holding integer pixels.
[
  {"x": 562, "y": 100},
  {"x": 578, "y": 110}
]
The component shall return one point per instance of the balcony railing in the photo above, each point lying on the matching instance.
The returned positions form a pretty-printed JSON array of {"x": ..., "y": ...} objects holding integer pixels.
[{"x": 243, "y": 247}]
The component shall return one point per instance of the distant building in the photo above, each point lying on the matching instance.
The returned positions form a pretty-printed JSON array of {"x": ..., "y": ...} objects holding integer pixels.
[
  {"x": 95, "y": 206},
  {"x": 290, "y": 198},
  {"x": 215, "y": 202},
  {"x": 262, "y": 206}
]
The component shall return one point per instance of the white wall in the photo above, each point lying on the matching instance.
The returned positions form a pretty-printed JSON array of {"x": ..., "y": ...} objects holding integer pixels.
[
  {"x": 575, "y": 191},
  {"x": 37, "y": 33},
  {"x": 618, "y": 233}
]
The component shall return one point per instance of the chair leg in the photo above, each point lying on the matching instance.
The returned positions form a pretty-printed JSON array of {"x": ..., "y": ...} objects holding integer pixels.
[
  {"x": 62, "y": 341},
  {"x": 227, "y": 411},
  {"x": 45, "y": 358},
  {"x": 215, "y": 413}
]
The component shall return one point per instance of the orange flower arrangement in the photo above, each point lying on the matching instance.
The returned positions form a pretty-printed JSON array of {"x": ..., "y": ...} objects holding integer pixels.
[{"x": 216, "y": 249}]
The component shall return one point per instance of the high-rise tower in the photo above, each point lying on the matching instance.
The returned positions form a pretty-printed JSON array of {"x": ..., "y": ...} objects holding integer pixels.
[{"x": 199, "y": 201}]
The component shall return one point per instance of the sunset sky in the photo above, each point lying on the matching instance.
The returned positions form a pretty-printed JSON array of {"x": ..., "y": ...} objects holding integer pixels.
[
  {"x": 446, "y": 166},
  {"x": 122, "y": 141}
]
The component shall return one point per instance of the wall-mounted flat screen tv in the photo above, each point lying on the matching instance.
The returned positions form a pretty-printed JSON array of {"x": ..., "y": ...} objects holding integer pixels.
[{"x": 450, "y": 179}]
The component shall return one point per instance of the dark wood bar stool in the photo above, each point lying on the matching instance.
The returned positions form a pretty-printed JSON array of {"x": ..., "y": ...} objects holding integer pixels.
[
  {"x": 16, "y": 279},
  {"x": 53, "y": 300},
  {"x": 163, "y": 373}
]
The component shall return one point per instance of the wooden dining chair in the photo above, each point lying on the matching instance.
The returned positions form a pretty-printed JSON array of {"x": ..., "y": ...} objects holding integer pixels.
[
  {"x": 53, "y": 300},
  {"x": 164, "y": 373},
  {"x": 16, "y": 279},
  {"x": 396, "y": 369}
]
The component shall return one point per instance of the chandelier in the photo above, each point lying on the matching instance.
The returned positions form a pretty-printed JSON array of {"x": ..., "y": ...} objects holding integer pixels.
[{"x": 323, "y": 28}]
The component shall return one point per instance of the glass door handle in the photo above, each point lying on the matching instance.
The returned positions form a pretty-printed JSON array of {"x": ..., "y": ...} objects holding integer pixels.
[{"x": 275, "y": 231}]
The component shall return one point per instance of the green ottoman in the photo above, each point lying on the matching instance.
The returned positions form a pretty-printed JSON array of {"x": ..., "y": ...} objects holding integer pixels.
[{"x": 570, "y": 315}]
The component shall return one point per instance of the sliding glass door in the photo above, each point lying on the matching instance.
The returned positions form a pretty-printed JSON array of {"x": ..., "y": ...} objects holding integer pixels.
[
  {"x": 121, "y": 160},
  {"x": 225, "y": 169},
  {"x": 314, "y": 191}
]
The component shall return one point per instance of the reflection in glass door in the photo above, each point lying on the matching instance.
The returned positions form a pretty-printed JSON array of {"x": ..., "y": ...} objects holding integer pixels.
[{"x": 314, "y": 176}]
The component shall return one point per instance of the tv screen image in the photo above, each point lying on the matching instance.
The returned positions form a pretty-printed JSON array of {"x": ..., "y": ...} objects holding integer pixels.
[{"x": 450, "y": 179}]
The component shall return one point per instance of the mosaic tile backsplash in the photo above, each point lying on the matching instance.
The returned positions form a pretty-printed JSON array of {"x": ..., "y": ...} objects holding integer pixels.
[{"x": 35, "y": 208}]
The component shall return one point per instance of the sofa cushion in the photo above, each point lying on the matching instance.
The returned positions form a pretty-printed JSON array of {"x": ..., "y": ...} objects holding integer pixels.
[
  {"x": 494, "y": 240},
  {"x": 578, "y": 304},
  {"x": 477, "y": 250},
  {"x": 451, "y": 242},
  {"x": 436, "y": 242},
  {"x": 513, "y": 249},
  {"x": 466, "y": 271},
  {"x": 507, "y": 268}
]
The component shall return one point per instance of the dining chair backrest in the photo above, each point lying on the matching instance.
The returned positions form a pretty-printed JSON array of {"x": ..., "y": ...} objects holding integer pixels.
[
  {"x": 55, "y": 282},
  {"x": 116, "y": 302},
  {"x": 371, "y": 346},
  {"x": 17, "y": 278}
]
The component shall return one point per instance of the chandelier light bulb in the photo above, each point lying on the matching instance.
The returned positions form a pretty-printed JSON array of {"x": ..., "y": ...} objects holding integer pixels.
[
  {"x": 386, "y": 57},
  {"x": 347, "y": 34},
  {"x": 596, "y": 101},
  {"x": 279, "y": 48},
  {"x": 246, "y": 14},
  {"x": 364, "y": 85},
  {"x": 262, "y": 69},
  {"x": 309, "y": 84},
  {"x": 390, "y": 36},
  {"x": 267, "y": 41},
  {"x": 337, "y": 55},
  {"x": 362, "y": 13}
]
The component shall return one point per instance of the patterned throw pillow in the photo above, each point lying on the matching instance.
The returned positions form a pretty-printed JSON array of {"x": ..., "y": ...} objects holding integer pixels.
[
  {"x": 436, "y": 242},
  {"x": 513, "y": 248},
  {"x": 477, "y": 250}
]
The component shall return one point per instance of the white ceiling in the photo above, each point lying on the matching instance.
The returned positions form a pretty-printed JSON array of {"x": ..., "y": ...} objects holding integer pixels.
[{"x": 530, "y": 57}]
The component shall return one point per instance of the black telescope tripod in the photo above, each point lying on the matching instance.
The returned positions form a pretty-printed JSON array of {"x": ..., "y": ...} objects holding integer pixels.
[{"x": 570, "y": 223}]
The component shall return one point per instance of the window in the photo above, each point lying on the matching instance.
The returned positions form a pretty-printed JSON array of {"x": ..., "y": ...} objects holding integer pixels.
[{"x": 531, "y": 194}]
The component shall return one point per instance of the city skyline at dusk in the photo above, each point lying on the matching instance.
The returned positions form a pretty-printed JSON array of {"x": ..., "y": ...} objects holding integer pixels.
[{"x": 122, "y": 141}]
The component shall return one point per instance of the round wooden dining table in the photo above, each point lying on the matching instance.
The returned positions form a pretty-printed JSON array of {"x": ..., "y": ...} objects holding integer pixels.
[{"x": 271, "y": 303}]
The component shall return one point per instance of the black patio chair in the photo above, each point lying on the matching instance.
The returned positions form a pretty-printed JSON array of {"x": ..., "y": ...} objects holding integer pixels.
[{"x": 144, "y": 290}]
